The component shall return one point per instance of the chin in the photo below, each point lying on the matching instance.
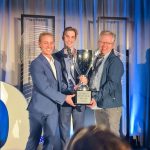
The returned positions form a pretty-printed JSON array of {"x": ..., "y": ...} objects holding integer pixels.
[{"x": 70, "y": 46}]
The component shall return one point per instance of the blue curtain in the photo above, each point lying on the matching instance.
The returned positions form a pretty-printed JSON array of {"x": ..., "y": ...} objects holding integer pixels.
[{"x": 140, "y": 71}]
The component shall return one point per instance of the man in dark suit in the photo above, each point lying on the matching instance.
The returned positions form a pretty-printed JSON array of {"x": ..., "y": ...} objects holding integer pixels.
[
  {"x": 70, "y": 77},
  {"x": 106, "y": 82},
  {"x": 47, "y": 85}
]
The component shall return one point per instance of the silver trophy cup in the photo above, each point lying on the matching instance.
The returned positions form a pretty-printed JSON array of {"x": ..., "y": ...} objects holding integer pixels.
[{"x": 83, "y": 64}]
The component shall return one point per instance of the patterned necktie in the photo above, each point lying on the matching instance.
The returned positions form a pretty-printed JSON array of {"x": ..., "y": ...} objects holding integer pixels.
[{"x": 98, "y": 62}]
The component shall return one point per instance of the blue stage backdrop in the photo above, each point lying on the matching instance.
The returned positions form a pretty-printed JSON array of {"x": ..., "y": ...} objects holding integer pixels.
[{"x": 84, "y": 15}]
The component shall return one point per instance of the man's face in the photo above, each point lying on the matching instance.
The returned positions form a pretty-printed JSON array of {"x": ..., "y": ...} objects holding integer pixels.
[
  {"x": 106, "y": 44},
  {"x": 47, "y": 45},
  {"x": 69, "y": 39}
]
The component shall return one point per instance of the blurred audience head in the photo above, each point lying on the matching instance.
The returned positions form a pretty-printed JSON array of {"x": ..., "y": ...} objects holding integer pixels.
[{"x": 96, "y": 138}]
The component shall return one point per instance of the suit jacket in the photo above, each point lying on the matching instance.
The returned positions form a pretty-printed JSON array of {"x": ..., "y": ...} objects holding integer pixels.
[
  {"x": 46, "y": 92},
  {"x": 60, "y": 57},
  {"x": 110, "y": 91}
]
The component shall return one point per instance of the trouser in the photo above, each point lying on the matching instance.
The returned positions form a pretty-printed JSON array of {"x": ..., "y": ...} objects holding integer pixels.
[
  {"x": 78, "y": 114},
  {"x": 39, "y": 122},
  {"x": 109, "y": 118}
]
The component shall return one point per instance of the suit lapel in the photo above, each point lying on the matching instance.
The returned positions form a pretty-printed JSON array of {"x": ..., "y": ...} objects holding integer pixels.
[
  {"x": 57, "y": 69},
  {"x": 63, "y": 65},
  {"x": 58, "y": 73},
  {"x": 105, "y": 66},
  {"x": 46, "y": 63}
]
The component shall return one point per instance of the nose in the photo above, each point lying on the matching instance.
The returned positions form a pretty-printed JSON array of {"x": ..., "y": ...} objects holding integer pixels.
[
  {"x": 49, "y": 45},
  {"x": 69, "y": 39}
]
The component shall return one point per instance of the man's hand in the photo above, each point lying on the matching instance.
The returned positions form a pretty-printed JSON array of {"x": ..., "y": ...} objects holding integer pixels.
[
  {"x": 69, "y": 100},
  {"x": 83, "y": 79},
  {"x": 92, "y": 103}
]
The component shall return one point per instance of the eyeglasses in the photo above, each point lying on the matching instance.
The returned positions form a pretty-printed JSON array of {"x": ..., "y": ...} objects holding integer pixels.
[{"x": 107, "y": 43}]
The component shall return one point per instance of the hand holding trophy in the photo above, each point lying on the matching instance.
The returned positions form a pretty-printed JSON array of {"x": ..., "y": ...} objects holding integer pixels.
[{"x": 83, "y": 64}]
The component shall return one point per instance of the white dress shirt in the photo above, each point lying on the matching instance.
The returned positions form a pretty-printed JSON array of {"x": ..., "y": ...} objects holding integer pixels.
[{"x": 51, "y": 62}]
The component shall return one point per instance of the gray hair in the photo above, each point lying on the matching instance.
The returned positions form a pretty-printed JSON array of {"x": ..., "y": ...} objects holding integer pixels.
[{"x": 108, "y": 33}]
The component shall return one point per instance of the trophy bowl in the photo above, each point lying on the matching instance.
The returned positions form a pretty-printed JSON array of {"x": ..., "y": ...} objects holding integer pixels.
[{"x": 83, "y": 64}]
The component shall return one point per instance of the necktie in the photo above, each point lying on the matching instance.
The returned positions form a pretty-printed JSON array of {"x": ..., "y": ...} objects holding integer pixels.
[{"x": 98, "y": 62}]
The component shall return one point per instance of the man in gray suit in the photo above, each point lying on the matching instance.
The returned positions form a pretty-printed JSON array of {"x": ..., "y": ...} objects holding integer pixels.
[
  {"x": 106, "y": 82},
  {"x": 47, "y": 86}
]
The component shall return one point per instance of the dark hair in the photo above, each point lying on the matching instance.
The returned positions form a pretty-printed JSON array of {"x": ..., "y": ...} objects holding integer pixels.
[
  {"x": 43, "y": 34},
  {"x": 70, "y": 29},
  {"x": 94, "y": 138}
]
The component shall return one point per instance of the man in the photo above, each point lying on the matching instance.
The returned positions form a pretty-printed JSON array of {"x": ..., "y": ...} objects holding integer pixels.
[
  {"x": 106, "y": 81},
  {"x": 47, "y": 84},
  {"x": 70, "y": 77}
]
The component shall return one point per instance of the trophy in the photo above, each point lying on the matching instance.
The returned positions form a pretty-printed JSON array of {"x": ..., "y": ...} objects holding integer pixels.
[{"x": 83, "y": 64}]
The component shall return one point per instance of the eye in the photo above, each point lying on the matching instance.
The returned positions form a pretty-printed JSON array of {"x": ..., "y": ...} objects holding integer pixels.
[{"x": 107, "y": 43}]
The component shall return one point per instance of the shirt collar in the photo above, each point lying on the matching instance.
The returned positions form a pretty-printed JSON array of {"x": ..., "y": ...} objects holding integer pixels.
[
  {"x": 106, "y": 55},
  {"x": 49, "y": 59},
  {"x": 73, "y": 50}
]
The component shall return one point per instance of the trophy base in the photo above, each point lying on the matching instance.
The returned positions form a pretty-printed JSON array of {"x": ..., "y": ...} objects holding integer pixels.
[{"x": 82, "y": 98}]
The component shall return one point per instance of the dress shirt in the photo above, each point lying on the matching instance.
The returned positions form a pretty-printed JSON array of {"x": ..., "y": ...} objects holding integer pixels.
[
  {"x": 51, "y": 62},
  {"x": 97, "y": 74}
]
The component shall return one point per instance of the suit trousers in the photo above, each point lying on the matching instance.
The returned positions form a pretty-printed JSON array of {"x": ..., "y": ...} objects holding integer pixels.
[
  {"x": 39, "y": 123},
  {"x": 78, "y": 114},
  {"x": 109, "y": 118}
]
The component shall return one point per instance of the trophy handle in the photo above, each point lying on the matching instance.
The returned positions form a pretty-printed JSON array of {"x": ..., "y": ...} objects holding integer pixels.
[{"x": 89, "y": 68}]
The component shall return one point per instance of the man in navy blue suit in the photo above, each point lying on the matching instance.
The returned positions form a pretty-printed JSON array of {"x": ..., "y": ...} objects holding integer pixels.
[
  {"x": 46, "y": 95},
  {"x": 106, "y": 82}
]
